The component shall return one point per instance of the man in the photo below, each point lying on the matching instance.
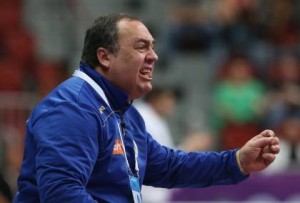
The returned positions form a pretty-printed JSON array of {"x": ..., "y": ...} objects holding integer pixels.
[{"x": 85, "y": 142}]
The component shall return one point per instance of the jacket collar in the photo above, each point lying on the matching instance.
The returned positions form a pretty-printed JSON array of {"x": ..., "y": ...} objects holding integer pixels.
[{"x": 118, "y": 100}]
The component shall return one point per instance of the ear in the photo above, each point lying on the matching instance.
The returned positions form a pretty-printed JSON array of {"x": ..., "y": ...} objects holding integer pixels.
[{"x": 103, "y": 57}]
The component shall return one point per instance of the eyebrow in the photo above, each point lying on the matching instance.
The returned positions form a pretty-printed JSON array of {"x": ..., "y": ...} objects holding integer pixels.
[{"x": 145, "y": 41}]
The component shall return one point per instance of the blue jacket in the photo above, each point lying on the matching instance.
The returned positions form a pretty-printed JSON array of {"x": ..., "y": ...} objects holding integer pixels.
[{"x": 72, "y": 152}]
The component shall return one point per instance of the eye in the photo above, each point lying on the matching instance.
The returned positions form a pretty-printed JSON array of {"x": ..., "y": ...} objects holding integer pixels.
[
  {"x": 144, "y": 46},
  {"x": 141, "y": 46}
]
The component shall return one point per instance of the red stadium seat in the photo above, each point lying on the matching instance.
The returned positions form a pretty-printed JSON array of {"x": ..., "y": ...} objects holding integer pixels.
[
  {"x": 49, "y": 75},
  {"x": 10, "y": 15},
  {"x": 236, "y": 135},
  {"x": 11, "y": 75},
  {"x": 20, "y": 45}
]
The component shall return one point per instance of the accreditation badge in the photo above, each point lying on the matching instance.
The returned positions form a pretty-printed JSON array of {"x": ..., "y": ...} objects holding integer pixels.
[{"x": 136, "y": 190}]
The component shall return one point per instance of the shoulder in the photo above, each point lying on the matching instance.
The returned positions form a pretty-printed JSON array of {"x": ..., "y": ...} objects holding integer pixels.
[{"x": 71, "y": 100}]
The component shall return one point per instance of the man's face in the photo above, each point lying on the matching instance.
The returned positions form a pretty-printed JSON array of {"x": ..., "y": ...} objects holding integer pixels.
[{"x": 131, "y": 67}]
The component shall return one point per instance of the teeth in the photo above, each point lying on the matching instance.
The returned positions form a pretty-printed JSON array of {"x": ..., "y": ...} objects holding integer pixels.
[{"x": 145, "y": 71}]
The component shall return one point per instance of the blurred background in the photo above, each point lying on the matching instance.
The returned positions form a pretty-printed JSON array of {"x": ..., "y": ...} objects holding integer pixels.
[{"x": 233, "y": 66}]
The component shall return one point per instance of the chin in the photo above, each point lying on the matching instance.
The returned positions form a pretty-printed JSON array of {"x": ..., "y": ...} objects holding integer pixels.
[
  {"x": 147, "y": 89},
  {"x": 141, "y": 92}
]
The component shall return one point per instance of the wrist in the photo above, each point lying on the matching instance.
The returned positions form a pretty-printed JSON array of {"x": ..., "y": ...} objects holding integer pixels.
[{"x": 238, "y": 160}]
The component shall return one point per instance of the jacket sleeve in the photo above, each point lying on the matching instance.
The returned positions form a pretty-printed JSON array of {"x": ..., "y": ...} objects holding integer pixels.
[
  {"x": 170, "y": 168},
  {"x": 67, "y": 146}
]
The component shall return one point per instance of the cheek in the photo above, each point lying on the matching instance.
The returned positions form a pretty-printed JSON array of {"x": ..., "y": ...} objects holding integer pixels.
[
  {"x": 129, "y": 76},
  {"x": 128, "y": 67},
  {"x": 134, "y": 67}
]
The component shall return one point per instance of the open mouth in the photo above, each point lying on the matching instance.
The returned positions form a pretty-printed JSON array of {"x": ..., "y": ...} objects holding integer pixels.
[{"x": 146, "y": 73}]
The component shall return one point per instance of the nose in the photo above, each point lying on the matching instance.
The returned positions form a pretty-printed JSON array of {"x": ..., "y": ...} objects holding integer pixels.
[{"x": 152, "y": 56}]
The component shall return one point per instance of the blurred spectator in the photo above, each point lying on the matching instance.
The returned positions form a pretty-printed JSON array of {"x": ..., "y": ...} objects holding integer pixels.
[
  {"x": 237, "y": 103},
  {"x": 284, "y": 84},
  {"x": 290, "y": 133},
  {"x": 13, "y": 145},
  {"x": 281, "y": 25},
  {"x": 283, "y": 112},
  {"x": 197, "y": 141},
  {"x": 158, "y": 105},
  {"x": 5, "y": 191},
  {"x": 236, "y": 23},
  {"x": 289, "y": 157},
  {"x": 187, "y": 30}
]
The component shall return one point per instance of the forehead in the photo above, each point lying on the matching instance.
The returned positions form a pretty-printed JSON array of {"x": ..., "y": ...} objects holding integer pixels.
[{"x": 133, "y": 31}]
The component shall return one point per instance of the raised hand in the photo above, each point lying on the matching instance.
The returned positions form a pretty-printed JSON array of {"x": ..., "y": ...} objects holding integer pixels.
[{"x": 258, "y": 153}]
